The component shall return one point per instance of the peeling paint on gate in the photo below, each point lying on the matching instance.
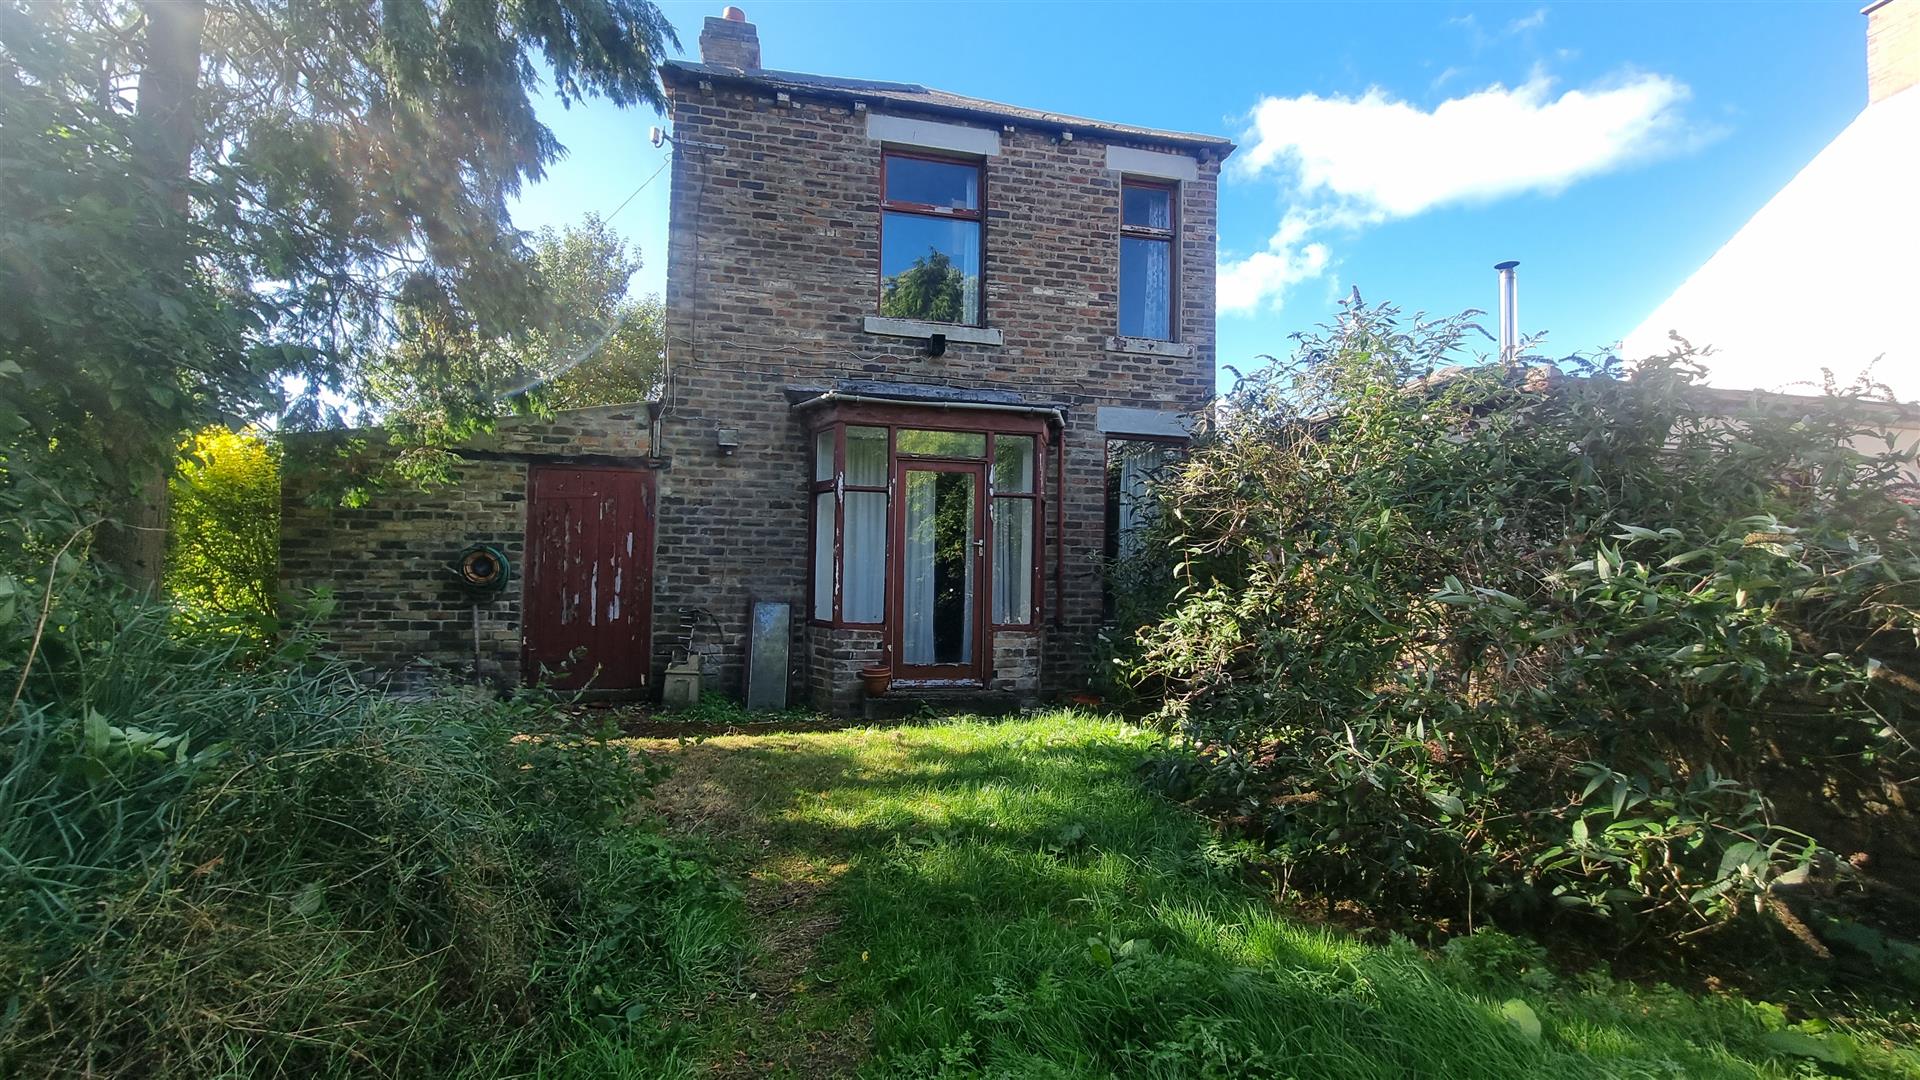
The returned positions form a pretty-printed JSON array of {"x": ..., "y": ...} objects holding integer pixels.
[{"x": 589, "y": 544}]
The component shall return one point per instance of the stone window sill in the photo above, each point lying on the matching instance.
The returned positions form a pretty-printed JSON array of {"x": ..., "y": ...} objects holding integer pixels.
[
  {"x": 1140, "y": 346},
  {"x": 915, "y": 328}
]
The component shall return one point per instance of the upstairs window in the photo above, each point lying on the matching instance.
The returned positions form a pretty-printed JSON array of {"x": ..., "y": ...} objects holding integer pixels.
[
  {"x": 930, "y": 238},
  {"x": 1146, "y": 260}
]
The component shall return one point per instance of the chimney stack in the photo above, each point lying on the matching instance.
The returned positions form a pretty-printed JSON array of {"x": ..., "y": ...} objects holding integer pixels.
[
  {"x": 730, "y": 40},
  {"x": 1893, "y": 47},
  {"x": 1509, "y": 312}
]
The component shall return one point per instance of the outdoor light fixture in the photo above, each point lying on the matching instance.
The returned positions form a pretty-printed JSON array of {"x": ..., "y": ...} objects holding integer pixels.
[{"x": 726, "y": 440}]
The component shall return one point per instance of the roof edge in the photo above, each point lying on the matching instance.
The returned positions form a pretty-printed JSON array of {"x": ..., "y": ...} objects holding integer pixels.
[{"x": 1107, "y": 130}]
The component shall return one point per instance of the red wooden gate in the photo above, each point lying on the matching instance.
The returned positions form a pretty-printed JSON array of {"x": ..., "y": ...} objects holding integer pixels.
[{"x": 589, "y": 585}]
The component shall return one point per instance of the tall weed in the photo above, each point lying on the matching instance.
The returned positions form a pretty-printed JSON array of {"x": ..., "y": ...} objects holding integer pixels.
[{"x": 218, "y": 863}]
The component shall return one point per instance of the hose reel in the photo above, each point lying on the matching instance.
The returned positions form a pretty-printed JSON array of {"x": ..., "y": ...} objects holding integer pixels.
[{"x": 482, "y": 570}]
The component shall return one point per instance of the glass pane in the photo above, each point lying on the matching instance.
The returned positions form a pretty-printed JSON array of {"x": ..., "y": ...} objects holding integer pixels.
[
  {"x": 937, "y": 569},
  {"x": 1135, "y": 467},
  {"x": 823, "y": 455},
  {"x": 933, "y": 183},
  {"x": 823, "y": 556},
  {"x": 867, "y": 456},
  {"x": 1146, "y": 288},
  {"x": 929, "y": 268},
  {"x": 1150, "y": 207},
  {"x": 1012, "y": 464},
  {"x": 863, "y": 573},
  {"x": 953, "y": 444},
  {"x": 1013, "y": 560}
]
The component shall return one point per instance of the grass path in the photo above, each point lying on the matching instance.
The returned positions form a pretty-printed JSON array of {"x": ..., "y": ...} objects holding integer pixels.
[{"x": 1004, "y": 899}]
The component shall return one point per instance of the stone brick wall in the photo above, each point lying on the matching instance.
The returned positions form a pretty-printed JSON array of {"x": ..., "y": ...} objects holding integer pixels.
[
  {"x": 773, "y": 259},
  {"x": 835, "y": 656},
  {"x": 396, "y": 607},
  {"x": 1016, "y": 662},
  {"x": 1893, "y": 47}
]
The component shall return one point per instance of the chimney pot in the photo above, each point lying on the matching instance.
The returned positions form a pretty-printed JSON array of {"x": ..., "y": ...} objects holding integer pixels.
[{"x": 730, "y": 41}]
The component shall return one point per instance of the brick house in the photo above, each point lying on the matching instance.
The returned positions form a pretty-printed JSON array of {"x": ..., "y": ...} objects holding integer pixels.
[{"x": 920, "y": 349}]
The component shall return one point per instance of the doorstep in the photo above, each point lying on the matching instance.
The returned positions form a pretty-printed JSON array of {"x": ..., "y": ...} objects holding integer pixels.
[{"x": 905, "y": 702}]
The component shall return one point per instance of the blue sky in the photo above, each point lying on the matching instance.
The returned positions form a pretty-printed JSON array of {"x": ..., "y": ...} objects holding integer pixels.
[{"x": 1404, "y": 148}]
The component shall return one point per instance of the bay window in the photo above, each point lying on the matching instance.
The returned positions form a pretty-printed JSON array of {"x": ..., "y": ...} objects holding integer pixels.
[
  {"x": 933, "y": 532},
  {"x": 1015, "y": 513},
  {"x": 931, "y": 222},
  {"x": 850, "y": 479},
  {"x": 1146, "y": 260}
]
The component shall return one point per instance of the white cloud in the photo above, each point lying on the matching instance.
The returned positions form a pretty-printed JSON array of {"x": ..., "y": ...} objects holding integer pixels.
[
  {"x": 1528, "y": 22},
  {"x": 1349, "y": 162},
  {"x": 1394, "y": 156},
  {"x": 1264, "y": 276}
]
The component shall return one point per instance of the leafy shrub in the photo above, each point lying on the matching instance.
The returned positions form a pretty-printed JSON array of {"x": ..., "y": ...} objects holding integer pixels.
[
  {"x": 216, "y": 867},
  {"x": 1490, "y": 641},
  {"x": 224, "y": 528}
]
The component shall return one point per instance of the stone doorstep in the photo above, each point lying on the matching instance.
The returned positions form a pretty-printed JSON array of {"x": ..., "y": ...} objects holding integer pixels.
[{"x": 905, "y": 702}]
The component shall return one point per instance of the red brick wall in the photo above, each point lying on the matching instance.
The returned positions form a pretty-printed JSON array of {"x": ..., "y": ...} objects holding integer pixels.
[{"x": 771, "y": 268}]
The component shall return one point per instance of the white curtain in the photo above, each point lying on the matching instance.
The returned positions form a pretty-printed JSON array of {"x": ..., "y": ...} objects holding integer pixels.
[
  {"x": 1012, "y": 560},
  {"x": 916, "y": 630},
  {"x": 864, "y": 569}
]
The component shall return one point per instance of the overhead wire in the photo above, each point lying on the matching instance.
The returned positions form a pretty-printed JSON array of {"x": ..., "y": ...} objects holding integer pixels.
[{"x": 588, "y": 351}]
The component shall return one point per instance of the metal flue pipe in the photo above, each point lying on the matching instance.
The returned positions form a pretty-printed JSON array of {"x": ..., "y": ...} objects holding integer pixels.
[{"x": 1509, "y": 312}]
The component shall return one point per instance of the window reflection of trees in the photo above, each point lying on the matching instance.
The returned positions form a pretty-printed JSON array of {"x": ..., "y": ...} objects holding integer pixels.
[{"x": 932, "y": 289}]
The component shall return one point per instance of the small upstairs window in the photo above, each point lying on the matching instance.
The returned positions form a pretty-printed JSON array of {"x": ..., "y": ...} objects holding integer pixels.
[
  {"x": 930, "y": 238},
  {"x": 1146, "y": 260}
]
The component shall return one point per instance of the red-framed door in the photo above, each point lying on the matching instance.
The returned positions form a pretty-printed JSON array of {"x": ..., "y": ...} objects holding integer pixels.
[
  {"x": 939, "y": 572},
  {"x": 588, "y": 595}
]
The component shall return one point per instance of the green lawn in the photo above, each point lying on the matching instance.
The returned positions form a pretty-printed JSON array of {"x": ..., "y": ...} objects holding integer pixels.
[{"x": 1005, "y": 899}]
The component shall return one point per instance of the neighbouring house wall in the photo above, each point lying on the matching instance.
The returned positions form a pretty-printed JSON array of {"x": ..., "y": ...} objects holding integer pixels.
[
  {"x": 1893, "y": 49},
  {"x": 773, "y": 254},
  {"x": 396, "y": 606}
]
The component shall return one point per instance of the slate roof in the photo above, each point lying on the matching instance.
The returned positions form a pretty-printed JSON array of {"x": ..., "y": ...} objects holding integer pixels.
[{"x": 928, "y": 100}]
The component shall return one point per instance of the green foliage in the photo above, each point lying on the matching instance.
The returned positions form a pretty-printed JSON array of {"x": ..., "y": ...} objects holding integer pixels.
[
  {"x": 601, "y": 346},
  {"x": 343, "y": 182},
  {"x": 587, "y": 344},
  {"x": 1487, "y": 640},
  {"x": 111, "y": 344},
  {"x": 224, "y": 531},
  {"x": 717, "y": 710},
  {"x": 224, "y": 868}
]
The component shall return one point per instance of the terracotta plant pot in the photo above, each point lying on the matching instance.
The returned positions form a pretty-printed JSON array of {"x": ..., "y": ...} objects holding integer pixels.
[
  {"x": 876, "y": 679},
  {"x": 1086, "y": 700}
]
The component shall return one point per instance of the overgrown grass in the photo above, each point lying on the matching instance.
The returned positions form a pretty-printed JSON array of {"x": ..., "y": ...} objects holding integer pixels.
[
  {"x": 1006, "y": 899},
  {"x": 220, "y": 864}
]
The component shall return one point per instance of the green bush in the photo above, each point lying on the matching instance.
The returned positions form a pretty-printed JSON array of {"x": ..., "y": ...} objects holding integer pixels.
[
  {"x": 212, "y": 863},
  {"x": 1492, "y": 642},
  {"x": 224, "y": 529}
]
